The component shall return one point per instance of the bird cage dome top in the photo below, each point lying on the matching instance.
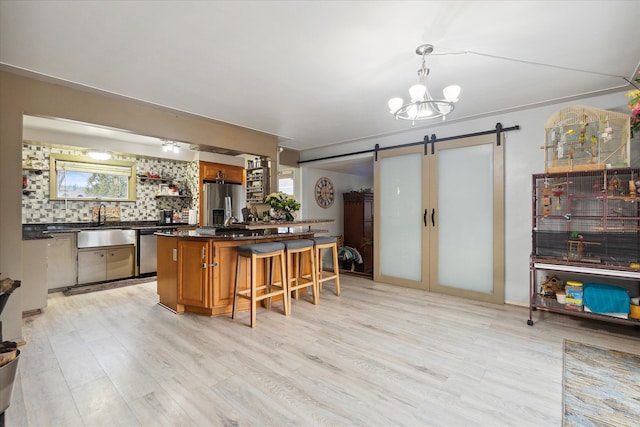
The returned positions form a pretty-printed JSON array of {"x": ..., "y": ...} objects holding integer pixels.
[
  {"x": 579, "y": 138},
  {"x": 577, "y": 114}
]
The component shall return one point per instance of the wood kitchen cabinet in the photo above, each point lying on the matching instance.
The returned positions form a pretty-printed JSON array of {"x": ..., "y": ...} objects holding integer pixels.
[
  {"x": 193, "y": 272},
  {"x": 206, "y": 275},
  {"x": 219, "y": 172},
  {"x": 358, "y": 227},
  {"x": 167, "y": 273},
  {"x": 224, "y": 279},
  {"x": 225, "y": 255},
  {"x": 100, "y": 264}
]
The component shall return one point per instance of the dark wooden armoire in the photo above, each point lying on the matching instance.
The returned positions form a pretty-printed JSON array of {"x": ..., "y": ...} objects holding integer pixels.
[{"x": 358, "y": 227}]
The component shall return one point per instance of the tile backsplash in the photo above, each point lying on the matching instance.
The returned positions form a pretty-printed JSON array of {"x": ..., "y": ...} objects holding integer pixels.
[{"x": 38, "y": 208}]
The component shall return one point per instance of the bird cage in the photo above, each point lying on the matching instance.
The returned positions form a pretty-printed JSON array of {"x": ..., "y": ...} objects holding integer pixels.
[{"x": 581, "y": 138}]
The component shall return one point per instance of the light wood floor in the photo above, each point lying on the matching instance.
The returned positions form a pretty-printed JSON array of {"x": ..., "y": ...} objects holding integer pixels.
[{"x": 378, "y": 355}]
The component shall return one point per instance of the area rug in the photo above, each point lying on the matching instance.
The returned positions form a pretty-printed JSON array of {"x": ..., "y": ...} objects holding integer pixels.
[
  {"x": 84, "y": 289},
  {"x": 600, "y": 387}
]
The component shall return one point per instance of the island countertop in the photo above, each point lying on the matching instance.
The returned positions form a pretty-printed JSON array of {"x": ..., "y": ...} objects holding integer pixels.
[
  {"x": 236, "y": 234},
  {"x": 258, "y": 225},
  {"x": 253, "y": 230},
  {"x": 197, "y": 269}
]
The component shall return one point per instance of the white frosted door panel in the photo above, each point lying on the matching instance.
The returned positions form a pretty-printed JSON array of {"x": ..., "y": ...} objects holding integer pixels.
[
  {"x": 465, "y": 218},
  {"x": 400, "y": 216}
]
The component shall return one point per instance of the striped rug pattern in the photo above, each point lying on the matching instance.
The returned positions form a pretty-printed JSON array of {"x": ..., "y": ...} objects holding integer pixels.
[{"x": 600, "y": 387}]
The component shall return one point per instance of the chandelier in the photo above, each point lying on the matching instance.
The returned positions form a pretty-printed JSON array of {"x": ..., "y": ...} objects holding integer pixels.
[{"x": 422, "y": 105}]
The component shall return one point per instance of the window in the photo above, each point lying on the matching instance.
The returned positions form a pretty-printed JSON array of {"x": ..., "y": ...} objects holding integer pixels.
[
  {"x": 82, "y": 178},
  {"x": 285, "y": 181}
]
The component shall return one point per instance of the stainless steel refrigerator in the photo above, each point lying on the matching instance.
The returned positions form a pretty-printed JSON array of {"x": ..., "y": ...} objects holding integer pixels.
[{"x": 213, "y": 202}]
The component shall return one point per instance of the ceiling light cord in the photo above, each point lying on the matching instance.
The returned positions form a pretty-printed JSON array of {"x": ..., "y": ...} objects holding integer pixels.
[{"x": 541, "y": 64}]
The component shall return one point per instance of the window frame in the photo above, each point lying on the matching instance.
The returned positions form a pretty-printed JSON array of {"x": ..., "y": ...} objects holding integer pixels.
[{"x": 94, "y": 166}]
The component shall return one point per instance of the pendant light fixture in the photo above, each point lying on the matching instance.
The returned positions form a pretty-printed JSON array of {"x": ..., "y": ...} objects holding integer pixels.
[
  {"x": 422, "y": 105},
  {"x": 170, "y": 146}
]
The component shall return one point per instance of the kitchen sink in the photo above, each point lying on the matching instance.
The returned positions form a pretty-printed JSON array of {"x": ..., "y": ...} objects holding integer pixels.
[{"x": 105, "y": 237}]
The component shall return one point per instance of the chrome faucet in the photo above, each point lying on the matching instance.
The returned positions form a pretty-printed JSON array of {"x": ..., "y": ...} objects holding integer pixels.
[
  {"x": 100, "y": 213},
  {"x": 230, "y": 220}
]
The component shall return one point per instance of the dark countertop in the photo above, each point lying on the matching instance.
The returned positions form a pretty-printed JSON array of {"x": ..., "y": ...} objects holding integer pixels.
[
  {"x": 46, "y": 231},
  {"x": 258, "y": 225},
  {"x": 235, "y": 234}
]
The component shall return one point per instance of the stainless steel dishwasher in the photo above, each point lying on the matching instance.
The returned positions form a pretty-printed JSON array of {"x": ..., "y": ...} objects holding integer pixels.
[{"x": 147, "y": 251}]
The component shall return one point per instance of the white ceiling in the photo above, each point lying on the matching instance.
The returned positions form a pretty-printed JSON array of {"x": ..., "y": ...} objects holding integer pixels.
[{"x": 317, "y": 73}]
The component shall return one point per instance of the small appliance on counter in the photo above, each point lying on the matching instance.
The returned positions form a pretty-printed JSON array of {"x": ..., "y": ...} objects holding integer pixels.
[{"x": 166, "y": 217}]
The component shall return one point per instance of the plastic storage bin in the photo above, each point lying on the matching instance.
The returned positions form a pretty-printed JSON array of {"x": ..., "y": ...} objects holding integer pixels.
[{"x": 575, "y": 292}]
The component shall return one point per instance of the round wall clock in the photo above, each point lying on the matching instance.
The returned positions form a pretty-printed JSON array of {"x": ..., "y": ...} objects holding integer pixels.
[{"x": 324, "y": 192}]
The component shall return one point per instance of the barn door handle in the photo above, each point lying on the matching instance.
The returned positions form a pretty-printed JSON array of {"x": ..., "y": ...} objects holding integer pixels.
[
  {"x": 433, "y": 215},
  {"x": 424, "y": 218}
]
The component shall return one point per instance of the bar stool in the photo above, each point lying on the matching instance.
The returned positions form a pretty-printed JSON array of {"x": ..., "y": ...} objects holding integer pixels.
[
  {"x": 321, "y": 243},
  {"x": 267, "y": 252},
  {"x": 294, "y": 250}
]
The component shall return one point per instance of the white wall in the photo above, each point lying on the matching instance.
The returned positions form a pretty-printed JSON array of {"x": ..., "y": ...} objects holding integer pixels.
[
  {"x": 523, "y": 157},
  {"x": 342, "y": 183}
]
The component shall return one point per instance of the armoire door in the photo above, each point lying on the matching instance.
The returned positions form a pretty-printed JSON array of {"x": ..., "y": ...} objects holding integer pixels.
[{"x": 440, "y": 217}]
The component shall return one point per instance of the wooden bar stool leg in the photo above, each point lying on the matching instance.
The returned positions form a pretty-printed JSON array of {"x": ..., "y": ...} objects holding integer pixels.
[
  {"x": 235, "y": 288},
  {"x": 268, "y": 279},
  {"x": 336, "y": 271},
  {"x": 253, "y": 290},
  {"x": 286, "y": 297},
  {"x": 298, "y": 268},
  {"x": 315, "y": 289},
  {"x": 319, "y": 267}
]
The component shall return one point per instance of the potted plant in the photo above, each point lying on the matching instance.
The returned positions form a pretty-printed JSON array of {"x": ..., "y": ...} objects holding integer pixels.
[{"x": 283, "y": 206}]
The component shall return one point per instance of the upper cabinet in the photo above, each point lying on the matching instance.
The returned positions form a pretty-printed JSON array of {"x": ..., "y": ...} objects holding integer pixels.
[{"x": 219, "y": 172}]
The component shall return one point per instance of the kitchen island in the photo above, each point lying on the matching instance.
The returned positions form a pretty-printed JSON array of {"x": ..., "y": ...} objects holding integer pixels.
[{"x": 197, "y": 268}]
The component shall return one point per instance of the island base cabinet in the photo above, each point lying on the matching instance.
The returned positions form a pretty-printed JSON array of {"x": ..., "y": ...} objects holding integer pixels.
[
  {"x": 167, "y": 273},
  {"x": 193, "y": 273},
  {"x": 197, "y": 275},
  {"x": 224, "y": 278}
]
